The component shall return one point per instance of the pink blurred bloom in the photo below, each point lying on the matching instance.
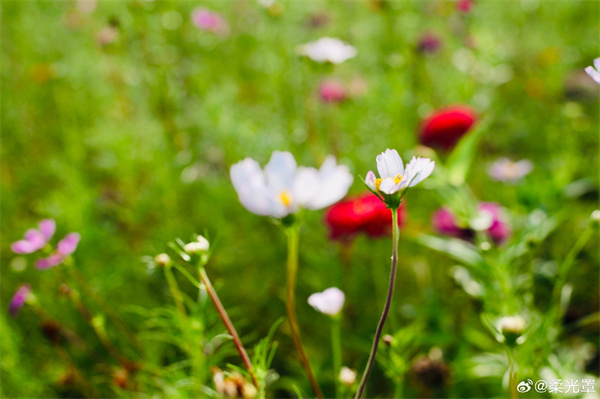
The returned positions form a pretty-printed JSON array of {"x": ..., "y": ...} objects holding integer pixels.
[
  {"x": 464, "y": 5},
  {"x": 210, "y": 21},
  {"x": 332, "y": 91},
  {"x": 35, "y": 239},
  {"x": 18, "y": 299},
  {"x": 429, "y": 43},
  {"x": 506, "y": 170},
  {"x": 445, "y": 222},
  {"x": 65, "y": 247}
]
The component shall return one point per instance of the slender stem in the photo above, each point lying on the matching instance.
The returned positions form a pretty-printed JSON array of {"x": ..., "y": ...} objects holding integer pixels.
[
  {"x": 336, "y": 345},
  {"x": 386, "y": 309},
  {"x": 512, "y": 380},
  {"x": 292, "y": 270},
  {"x": 228, "y": 324}
]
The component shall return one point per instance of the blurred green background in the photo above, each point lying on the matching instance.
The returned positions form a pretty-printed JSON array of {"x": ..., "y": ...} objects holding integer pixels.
[{"x": 121, "y": 123}]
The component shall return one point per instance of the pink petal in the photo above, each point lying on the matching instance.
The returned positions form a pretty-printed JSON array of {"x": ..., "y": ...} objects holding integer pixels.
[
  {"x": 18, "y": 300},
  {"x": 68, "y": 245},
  {"x": 47, "y": 227},
  {"x": 53, "y": 260},
  {"x": 34, "y": 240}
]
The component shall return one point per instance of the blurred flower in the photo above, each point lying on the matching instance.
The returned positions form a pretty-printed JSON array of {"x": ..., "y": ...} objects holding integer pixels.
[
  {"x": 19, "y": 299},
  {"x": 332, "y": 91},
  {"x": 357, "y": 87},
  {"x": 65, "y": 247},
  {"x": 444, "y": 127},
  {"x": 162, "y": 260},
  {"x": 283, "y": 188},
  {"x": 594, "y": 71},
  {"x": 318, "y": 20},
  {"x": 347, "y": 376},
  {"x": 35, "y": 239},
  {"x": 394, "y": 178},
  {"x": 512, "y": 327},
  {"x": 329, "y": 302},
  {"x": 490, "y": 219},
  {"x": 328, "y": 49},
  {"x": 107, "y": 35},
  {"x": 86, "y": 6},
  {"x": 464, "y": 5},
  {"x": 210, "y": 21},
  {"x": 579, "y": 87},
  {"x": 197, "y": 247},
  {"x": 430, "y": 372},
  {"x": 362, "y": 214},
  {"x": 429, "y": 43},
  {"x": 506, "y": 170},
  {"x": 233, "y": 385}
]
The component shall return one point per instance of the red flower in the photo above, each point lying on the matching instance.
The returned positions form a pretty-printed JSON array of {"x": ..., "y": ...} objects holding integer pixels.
[
  {"x": 362, "y": 214},
  {"x": 464, "y": 5},
  {"x": 444, "y": 127}
]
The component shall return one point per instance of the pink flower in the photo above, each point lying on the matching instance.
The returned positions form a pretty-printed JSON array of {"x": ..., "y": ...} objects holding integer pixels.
[
  {"x": 210, "y": 21},
  {"x": 429, "y": 43},
  {"x": 332, "y": 91},
  {"x": 65, "y": 247},
  {"x": 464, "y": 5},
  {"x": 506, "y": 170},
  {"x": 18, "y": 300},
  {"x": 498, "y": 229},
  {"x": 35, "y": 239}
]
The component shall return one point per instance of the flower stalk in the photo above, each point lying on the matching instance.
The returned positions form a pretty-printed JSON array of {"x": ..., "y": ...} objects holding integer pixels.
[
  {"x": 386, "y": 309},
  {"x": 292, "y": 270},
  {"x": 336, "y": 347},
  {"x": 228, "y": 324}
]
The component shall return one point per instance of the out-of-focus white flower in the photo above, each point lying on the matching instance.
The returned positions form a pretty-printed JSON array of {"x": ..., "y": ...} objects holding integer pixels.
[
  {"x": 162, "y": 260},
  {"x": 394, "y": 177},
  {"x": 197, "y": 247},
  {"x": 328, "y": 49},
  {"x": 512, "y": 325},
  {"x": 347, "y": 376},
  {"x": 506, "y": 170},
  {"x": 594, "y": 71},
  {"x": 329, "y": 302},
  {"x": 283, "y": 188}
]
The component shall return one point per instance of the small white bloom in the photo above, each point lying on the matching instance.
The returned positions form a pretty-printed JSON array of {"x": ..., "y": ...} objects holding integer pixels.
[
  {"x": 347, "y": 376},
  {"x": 162, "y": 260},
  {"x": 329, "y": 302},
  {"x": 328, "y": 49},
  {"x": 594, "y": 71},
  {"x": 506, "y": 170},
  {"x": 512, "y": 325},
  {"x": 394, "y": 177},
  {"x": 197, "y": 247},
  {"x": 283, "y": 188}
]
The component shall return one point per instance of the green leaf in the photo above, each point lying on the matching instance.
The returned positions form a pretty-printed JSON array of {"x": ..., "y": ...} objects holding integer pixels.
[
  {"x": 460, "y": 160},
  {"x": 457, "y": 249}
]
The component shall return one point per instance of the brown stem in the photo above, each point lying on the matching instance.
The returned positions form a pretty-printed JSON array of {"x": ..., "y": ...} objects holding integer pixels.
[{"x": 229, "y": 325}]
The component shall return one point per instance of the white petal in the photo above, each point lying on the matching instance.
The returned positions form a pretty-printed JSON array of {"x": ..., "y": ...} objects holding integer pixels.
[
  {"x": 389, "y": 164},
  {"x": 593, "y": 74},
  {"x": 249, "y": 182},
  {"x": 418, "y": 170},
  {"x": 389, "y": 186},
  {"x": 597, "y": 63},
  {"x": 330, "y": 301},
  {"x": 305, "y": 185},
  {"x": 370, "y": 181},
  {"x": 280, "y": 171},
  {"x": 334, "y": 183}
]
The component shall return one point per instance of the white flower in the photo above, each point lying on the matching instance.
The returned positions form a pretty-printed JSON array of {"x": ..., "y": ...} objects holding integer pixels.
[
  {"x": 197, "y": 247},
  {"x": 394, "y": 177},
  {"x": 506, "y": 170},
  {"x": 347, "y": 376},
  {"x": 512, "y": 324},
  {"x": 328, "y": 49},
  {"x": 329, "y": 302},
  {"x": 594, "y": 71},
  {"x": 283, "y": 188}
]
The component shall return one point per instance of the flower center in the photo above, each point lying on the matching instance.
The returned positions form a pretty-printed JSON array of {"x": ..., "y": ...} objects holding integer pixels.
[
  {"x": 285, "y": 197},
  {"x": 397, "y": 180}
]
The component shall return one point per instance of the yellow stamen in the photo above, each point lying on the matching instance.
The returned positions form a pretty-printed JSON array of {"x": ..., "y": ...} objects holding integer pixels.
[
  {"x": 397, "y": 180},
  {"x": 285, "y": 197}
]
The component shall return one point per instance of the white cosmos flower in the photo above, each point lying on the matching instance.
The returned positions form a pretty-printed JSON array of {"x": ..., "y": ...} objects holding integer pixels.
[
  {"x": 328, "y": 49},
  {"x": 394, "y": 177},
  {"x": 329, "y": 302},
  {"x": 283, "y": 188},
  {"x": 594, "y": 71},
  {"x": 506, "y": 170}
]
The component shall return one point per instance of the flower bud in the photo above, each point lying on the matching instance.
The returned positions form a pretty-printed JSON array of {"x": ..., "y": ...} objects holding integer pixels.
[
  {"x": 347, "y": 376},
  {"x": 388, "y": 339},
  {"x": 197, "y": 247},
  {"x": 512, "y": 327},
  {"x": 162, "y": 260}
]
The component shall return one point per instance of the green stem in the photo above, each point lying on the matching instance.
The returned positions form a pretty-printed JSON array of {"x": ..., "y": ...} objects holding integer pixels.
[
  {"x": 229, "y": 325},
  {"x": 177, "y": 297},
  {"x": 512, "y": 381},
  {"x": 336, "y": 346},
  {"x": 292, "y": 270},
  {"x": 386, "y": 309}
]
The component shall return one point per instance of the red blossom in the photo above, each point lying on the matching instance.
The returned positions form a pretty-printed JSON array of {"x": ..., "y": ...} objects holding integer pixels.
[{"x": 444, "y": 127}]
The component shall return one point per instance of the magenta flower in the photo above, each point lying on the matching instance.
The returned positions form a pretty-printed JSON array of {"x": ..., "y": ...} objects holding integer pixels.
[
  {"x": 332, "y": 91},
  {"x": 35, "y": 239},
  {"x": 65, "y": 247},
  {"x": 18, "y": 300},
  {"x": 210, "y": 21},
  {"x": 445, "y": 222},
  {"x": 429, "y": 43}
]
